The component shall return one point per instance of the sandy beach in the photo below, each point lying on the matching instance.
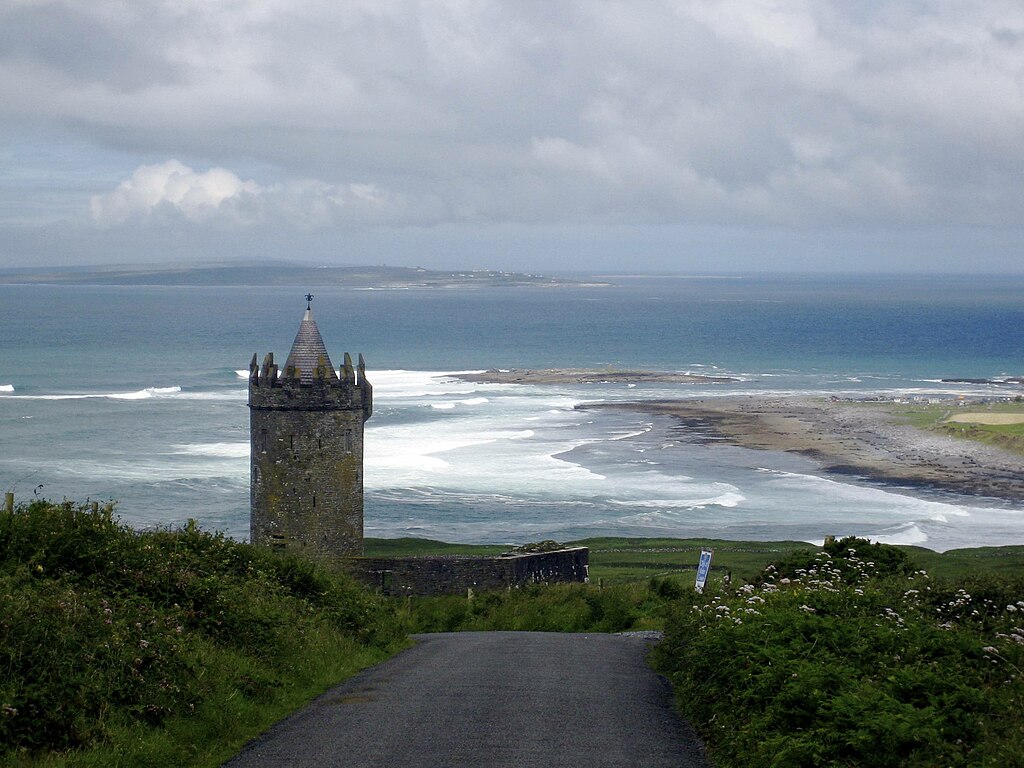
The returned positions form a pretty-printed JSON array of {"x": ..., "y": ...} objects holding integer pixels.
[{"x": 855, "y": 439}]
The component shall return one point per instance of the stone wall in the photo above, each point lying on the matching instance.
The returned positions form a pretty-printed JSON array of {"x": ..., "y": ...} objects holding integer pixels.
[
  {"x": 454, "y": 574},
  {"x": 306, "y": 460}
]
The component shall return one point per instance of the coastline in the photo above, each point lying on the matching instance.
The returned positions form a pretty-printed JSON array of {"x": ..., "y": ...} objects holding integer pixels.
[
  {"x": 849, "y": 438},
  {"x": 587, "y": 376}
]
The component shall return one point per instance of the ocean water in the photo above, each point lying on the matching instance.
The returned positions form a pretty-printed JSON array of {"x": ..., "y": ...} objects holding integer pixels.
[{"x": 138, "y": 394}]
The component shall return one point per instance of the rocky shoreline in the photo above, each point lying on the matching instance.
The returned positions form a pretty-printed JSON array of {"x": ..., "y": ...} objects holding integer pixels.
[
  {"x": 850, "y": 439},
  {"x": 587, "y": 376}
]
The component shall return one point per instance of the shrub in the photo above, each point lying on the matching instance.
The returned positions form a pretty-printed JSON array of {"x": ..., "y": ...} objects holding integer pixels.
[
  {"x": 833, "y": 659},
  {"x": 102, "y": 626}
]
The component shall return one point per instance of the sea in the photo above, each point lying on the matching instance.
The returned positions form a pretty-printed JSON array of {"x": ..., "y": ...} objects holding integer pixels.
[{"x": 137, "y": 394}]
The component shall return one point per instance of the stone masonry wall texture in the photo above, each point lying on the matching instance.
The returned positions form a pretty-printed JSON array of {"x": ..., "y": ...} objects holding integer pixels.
[
  {"x": 453, "y": 575},
  {"x": 306, "y": 436}
]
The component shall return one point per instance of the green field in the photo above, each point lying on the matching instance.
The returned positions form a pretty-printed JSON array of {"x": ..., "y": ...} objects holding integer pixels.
[
  {"x": 935, "y": 418},
  {"x": 621, "y": 560}
]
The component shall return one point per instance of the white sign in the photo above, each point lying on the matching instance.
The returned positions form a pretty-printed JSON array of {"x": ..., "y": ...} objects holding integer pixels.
[{"x": 702, "y": 569}]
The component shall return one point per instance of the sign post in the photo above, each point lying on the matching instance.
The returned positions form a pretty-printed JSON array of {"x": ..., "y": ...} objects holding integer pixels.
[{"x": 702, "y": 569}]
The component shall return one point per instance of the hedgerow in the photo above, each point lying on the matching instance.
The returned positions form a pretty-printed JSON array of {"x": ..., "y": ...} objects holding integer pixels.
[
  {"x": 849, "y": 657},
  {"x": 104, "y": 628}
]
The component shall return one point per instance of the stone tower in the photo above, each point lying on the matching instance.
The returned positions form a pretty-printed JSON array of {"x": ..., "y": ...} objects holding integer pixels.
[{"x": 306, "y": 434}]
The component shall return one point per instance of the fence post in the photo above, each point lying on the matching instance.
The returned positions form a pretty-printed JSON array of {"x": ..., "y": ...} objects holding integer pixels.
[{"x": 9, "y": 503}]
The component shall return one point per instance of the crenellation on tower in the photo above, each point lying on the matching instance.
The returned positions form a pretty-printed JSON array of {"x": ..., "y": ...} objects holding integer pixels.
[{"x": 306, "y": 433}]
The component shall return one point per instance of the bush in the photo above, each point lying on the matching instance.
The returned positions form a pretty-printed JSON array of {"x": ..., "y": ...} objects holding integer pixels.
[
  {"x": 102, "y": 627},
  {"x": 832, "y": 659}
]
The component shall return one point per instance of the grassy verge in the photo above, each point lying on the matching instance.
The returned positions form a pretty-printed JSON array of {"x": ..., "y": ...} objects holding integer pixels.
[
  {"x": 171, "y": 648},
  {"x": 553, "y": 608}
]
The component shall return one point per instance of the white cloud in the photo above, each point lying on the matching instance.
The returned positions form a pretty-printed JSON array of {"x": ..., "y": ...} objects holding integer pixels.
[
  {"x": 744, "y": 113},
  {"x": 172, "y": 191},
  {"x": 170, "y": 186}
]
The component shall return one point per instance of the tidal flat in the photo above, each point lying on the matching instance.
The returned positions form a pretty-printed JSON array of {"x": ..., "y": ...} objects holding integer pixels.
[{"x": 879, "y": 441}]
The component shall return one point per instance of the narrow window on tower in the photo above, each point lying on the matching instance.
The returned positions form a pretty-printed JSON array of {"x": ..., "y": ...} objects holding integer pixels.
[
  {"x": 291, "y": 441},
  {"x": 314, "y": 501}
]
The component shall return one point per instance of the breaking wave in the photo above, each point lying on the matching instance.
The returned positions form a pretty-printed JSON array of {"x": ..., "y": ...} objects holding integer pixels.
[
  {"x": 215, "y": 450},
  {"x": 141, "y": 394}
]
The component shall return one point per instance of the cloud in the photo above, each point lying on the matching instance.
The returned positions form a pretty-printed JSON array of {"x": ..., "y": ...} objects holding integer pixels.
[
  {"x": 170, "y": 186},
  {"x": 803, "y": 114},
  {"x": 172, "y": 191}
]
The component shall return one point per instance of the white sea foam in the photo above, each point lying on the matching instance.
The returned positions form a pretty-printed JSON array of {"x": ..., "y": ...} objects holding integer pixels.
[
  {"x": 169, "y": 468},
  {"x": 728, "y": 499},
  {"x": 636, "y": 433},
  {"x": 6, "y": 387},
  {"x": 473, "y": 461},
  {"x": 222, "y": 394},
  {"x": 401, "y": 384},
  {"x": 214, "y": 450},
  {"x": 448, "y": 405},
  {"x": 909, "y": 534},
  {"x": 148, "y": 392},
  {"x": 163, "y": 393},
  {"x": 141, "y": 394},
  {"x": 242, "y": 373}
]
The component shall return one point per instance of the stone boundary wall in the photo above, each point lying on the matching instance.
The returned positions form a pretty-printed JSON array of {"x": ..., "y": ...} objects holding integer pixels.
[{"x": 455, "y": 574}]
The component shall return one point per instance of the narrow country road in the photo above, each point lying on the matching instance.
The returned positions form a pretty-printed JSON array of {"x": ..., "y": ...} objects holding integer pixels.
[{"x": 515, "y": 699}]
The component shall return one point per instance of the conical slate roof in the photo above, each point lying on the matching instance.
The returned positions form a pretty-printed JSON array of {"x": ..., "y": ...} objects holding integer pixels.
[{"x": 307, "y": 351}]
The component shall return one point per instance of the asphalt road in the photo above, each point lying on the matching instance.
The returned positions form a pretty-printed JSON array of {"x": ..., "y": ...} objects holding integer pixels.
[{"x": 516, "y": 699}]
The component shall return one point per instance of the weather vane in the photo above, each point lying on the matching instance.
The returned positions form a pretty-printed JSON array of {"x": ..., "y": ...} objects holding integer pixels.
[{"x": 309, "y": 299}]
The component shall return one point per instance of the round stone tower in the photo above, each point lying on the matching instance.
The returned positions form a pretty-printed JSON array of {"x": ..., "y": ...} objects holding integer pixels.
[{"x": 306, "y": 435}]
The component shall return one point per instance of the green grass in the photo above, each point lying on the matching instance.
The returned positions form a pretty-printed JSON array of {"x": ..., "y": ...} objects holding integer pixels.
[
  {"x": 934, "y": 418},
  {"x": 410, "y": 547},
  {"x": 619, "y": 560},
  {"x": 965, "y": 563},
  {"x": 169, "y": 648},
  {"x": 551, "y": 608},
  {"x": 615, "y": 560}
]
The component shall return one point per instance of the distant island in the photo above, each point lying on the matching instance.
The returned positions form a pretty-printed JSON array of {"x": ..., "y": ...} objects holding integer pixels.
[
  {"x": 588, "y": 376},
  {"x": 379, "y": 277}
]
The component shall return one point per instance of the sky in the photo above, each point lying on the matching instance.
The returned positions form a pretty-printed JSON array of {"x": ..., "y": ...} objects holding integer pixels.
[{"x": 707, "y": 136}]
